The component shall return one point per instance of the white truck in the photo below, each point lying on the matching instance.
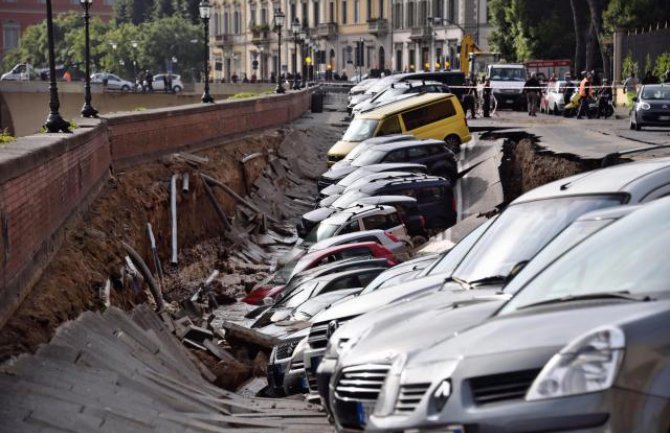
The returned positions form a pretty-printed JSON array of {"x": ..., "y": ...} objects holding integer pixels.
[
  {"x": 20, "y": 72},
  {"x": 507, "y": 82}
]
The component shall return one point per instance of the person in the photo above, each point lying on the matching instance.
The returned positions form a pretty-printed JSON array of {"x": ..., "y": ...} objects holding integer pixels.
[
  {"x": 568, "y": 90},
  {"x": 487, "y": 98},
  {"x": 244, "y": 78},
  {"x": 532, "y": 91},
  {"x": 585, "y": 93},
  {"x": 149, "y": 78},
  {"x": 469, "y": 97},
  {"x": 630, "y": 88},
  {"x": 273, "y": 78},
  {"x": 166, "y": 84},
  {"x": 552, "y": 78},
  {"x": 67, "y": 76},
  {"x": 605, "y": 96}
]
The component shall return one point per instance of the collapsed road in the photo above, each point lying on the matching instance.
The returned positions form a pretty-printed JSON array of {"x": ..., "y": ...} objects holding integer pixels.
[{"x": 190, "y": 235}]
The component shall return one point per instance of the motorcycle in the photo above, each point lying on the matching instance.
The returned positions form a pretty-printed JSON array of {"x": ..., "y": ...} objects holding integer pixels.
[{"x": 572, "y": 108}]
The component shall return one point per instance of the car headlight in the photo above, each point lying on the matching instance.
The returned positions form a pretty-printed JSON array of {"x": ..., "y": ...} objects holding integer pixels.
[
  {"x": 643, "y": 106},
  {"x": 587, "y": 364}
]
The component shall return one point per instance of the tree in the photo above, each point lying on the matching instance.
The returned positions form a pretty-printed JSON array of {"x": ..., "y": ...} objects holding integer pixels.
[
  {"x": 635, "y": 13},
  {"x": 163, "y": 8},
  {"x": 132, "y": 11},
  {"x": 579, "y": 37}
]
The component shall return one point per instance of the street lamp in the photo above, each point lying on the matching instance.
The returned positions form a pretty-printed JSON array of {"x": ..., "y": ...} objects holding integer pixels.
[
  {"x": 296, "y": 31},
  {"x": 87, "y": 110},
  {"x": 134, "y": 44},
  {"x": 55, "y": 122},
  {"x": 205, "y": 13},
  {"x": 303, "y": 42},
  {"x": 279, "y": 23}
]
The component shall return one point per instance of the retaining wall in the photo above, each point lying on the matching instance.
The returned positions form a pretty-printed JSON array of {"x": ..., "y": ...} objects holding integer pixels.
[{"x": 46, "y": 179}]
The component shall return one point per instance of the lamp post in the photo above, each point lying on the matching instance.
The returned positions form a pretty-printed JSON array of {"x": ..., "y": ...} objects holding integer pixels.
[
  {"x": 134, "y": 44},
  {"x": 87, "y": 110},
  {"x": 114, "y": 46},
  {"x": 295, "y": 28},
  {"x": 205, "y": 13},
  {"x": 303, "y": 41},
  {"x": 279, "y": 23},
  {"x": 55, "y": 122}
]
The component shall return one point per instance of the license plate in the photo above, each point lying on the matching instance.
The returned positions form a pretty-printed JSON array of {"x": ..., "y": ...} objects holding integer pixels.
[
  {"x": 663, "y": 118},
  {"x": 363, "y": 412}
]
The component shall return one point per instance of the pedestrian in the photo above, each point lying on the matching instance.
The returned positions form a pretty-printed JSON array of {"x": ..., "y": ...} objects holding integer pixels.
[
  {"x": 552, "y": 78},
  {"x": 166, "y": 85},
  {"x": 487, "y": 97},
  {"x": 630, "y": 88},
  {"x": 532, "y": 91},
  {"x": 273, "y": 79},
  {"x": 244, "y": 78},
  {"x": 468, "y": 98},
  {"x": 568, "y": 90},
  {"x": 585, "y": 93},
  {"x": 67, "y": 76},
  {"x": 149, "y": 78},
  {"x": 605, "y": 96}
]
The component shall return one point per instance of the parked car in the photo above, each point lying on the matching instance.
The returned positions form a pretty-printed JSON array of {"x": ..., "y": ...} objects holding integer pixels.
[
  {"x": 434, "y": 196},
  {"x": 553, "y": 99},
  {"x": 450, "y": 309},
  {"x": 583, "y": 349},
  {"x": 498, "y": 248},
  {"x": 331, "y": 185},
  {"x": 20, "y": 72},
  {"x": 159, "y": 82},
  {"x": 434, "y": 154},
  {"x": 335, "y": 162},
  {"x": 274, "y": 285},
  {"x": 652, "y": 107},
  {"x": 432, "y": 115},
  {"x": 112, "y": 81},
  {"x": 398, "y": 91},
  {"x": 397, "y": 247}
]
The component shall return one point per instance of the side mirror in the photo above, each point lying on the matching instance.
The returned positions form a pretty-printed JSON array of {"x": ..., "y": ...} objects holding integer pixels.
[
  {"x": 635, "y": 99},
  {"x": 268, "y": 301}
]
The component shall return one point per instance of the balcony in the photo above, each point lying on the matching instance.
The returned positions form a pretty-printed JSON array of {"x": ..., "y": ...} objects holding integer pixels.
[
  {"x": 421, "y": 33},
  {"x": 260, "y": 35},
  {"x": 378, "y": 26},
  {"x": 223, "y": 41},
  {"x": 326, "y": 30}
]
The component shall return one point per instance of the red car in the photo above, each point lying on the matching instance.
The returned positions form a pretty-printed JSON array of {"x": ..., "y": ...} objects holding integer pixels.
[{"x": 275, "y": 284}]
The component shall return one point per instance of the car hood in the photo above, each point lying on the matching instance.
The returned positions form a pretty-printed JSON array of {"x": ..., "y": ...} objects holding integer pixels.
[
  {"x": 318, "y": 215},
  {"x": 329, "y": 200},
  {"x": 659, "y": 105},
  {"x": 332, "y": 189},
  {"x": 338, "y": 173},
  {"x": 379, "y": 298},
  {"x": 541, "y": 328},
  {"x": 451, "y": 313}
]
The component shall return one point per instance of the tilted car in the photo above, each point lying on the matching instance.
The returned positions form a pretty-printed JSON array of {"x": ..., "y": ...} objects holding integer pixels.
[
  {"x": 334, "y": 186},
  {"x": 397, "y": 91},
  {"x": 584, "y": 348}
]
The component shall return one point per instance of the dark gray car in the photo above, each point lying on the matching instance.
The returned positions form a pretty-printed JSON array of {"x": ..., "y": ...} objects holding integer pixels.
[{"x": 581, "y": 347}]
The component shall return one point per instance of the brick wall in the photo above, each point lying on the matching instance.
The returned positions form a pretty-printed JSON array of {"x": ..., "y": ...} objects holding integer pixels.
[{"x": 45, "y": 179}]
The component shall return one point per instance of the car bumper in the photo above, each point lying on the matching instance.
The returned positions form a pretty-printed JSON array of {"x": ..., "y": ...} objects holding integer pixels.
[
  {"x": 507, "y": 99},
  {"x": 295, "y": 381},
  {"x": 614, "y": 410},
  {"x": 277, "y": 370},
  {"x": 323, "y": 375},
  {"x": 312, "y": 358},
  {"x": 654, "y": 118}
]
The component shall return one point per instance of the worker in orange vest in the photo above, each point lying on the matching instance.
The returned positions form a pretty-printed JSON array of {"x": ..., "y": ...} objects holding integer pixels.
[{"x": 585, "y": 93}]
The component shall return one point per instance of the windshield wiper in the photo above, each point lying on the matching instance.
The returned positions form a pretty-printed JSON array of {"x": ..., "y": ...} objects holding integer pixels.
[
  {"x": 493, "y": 279},
  {"x": 623, "y": 295},
  {"x": 461, "y": 282}
]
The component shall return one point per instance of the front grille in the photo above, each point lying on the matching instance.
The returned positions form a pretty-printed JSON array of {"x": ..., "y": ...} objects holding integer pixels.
[
  {"x": 311, "y": 382},
  {"x": 409, "y": 397},
  {"x": 362, "y": 382},
  {"x": 298, "y": 365},
  {"x": 285, "y": 350},
  {"x": 501, "y": 387},
  {"x": 317, "y": 336}
]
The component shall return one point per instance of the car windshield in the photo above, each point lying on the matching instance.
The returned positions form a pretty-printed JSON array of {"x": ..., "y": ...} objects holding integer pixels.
[
  {"x": 353, "y": 177},
  {"x": 360, "y": 129},
  {"x": 508, "y": 74},
  {"x": 656, "y": 93},
  {"x": 453, "y": 257},
  {"x": 347, "y": 199},
  {"x": 283, "y": 274},
  {"x": 383, "y": 281},
  {"x": 389, "y": 94},
  {"x": 522, "y": 230},
  {"x": 321, "y": 232},
  {"x": 368, "y": 157},
  {"x": 299, "y": 295},
  {"x": 362, "y": 147},
  {"x": 629, "y": 257}
]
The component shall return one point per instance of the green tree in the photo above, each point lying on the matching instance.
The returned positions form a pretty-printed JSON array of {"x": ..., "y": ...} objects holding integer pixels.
[
  {"x": 163, "y": 8},
  {"x": 662, "y": 66},
  {"x": 132, "y": 11},
  {"x": 629, "y": 66},
  {"x": 635, "y": 13}
]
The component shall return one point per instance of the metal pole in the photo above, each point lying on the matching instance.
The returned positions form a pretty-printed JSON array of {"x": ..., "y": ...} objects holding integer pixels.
[
  {"x": 54, "y": 122},
  {"x": 296, "y": 86},
  {"x": 280, "y": 88},
  {"x": 87, "y": 110},
  {"x": 173, "y": 212},
  {"x": 206, "y": 97}
]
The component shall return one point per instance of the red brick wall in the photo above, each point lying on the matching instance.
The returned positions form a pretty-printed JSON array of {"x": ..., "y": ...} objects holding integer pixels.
[{"x": 45, "y": 179}]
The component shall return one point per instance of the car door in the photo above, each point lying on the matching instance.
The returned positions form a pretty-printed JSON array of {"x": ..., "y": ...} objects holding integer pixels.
[
  {"x": 350, "y": 227},
  {"x": 434, "y": 205},
  {"x": 436, "y": 120},
  {"x": 389, "y": 222},
  {"x": 399, "y": 155},
  {"x": 420, "y": 155},
  {"x": 113, "y": 82}
]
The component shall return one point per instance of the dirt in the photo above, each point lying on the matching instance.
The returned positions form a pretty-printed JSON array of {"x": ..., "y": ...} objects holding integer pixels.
[
  {"x": 91, "y": 252},
  {"x": 526, "y": 165}
]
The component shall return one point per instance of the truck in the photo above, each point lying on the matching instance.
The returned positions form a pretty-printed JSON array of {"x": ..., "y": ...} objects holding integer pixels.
[
  {"x": 507, "y": 82},
  {"x": 20, "y": 72}
]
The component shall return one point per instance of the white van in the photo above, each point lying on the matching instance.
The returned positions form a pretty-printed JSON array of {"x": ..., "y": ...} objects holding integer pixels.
[
  {"x": 507, "y": 81},
  {"x": 20, "y": 72}
]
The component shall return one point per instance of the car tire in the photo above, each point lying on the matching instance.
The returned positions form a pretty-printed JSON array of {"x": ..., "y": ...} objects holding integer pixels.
[
  {"x": 125, "y": 88},
  {"x": 453, "y": 143},
  {"x": 177, "y": 89},
  {"x": 418, "y": 240},
  {"x": 556, "y": 110}
]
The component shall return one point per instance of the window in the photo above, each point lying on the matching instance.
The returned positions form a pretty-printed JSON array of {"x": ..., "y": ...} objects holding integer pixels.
[
  {"x": 11, "y": 32},
  {"x": 264, "y": 16},
  {"x": 417, "y": 152},
  {"x": 428, "y": 194},
  {"x": 355, "y": 252},
  {"x": 435, "y": 150},
  {"x": 428, "y": 114},
  {"x": 344, "y": 12},
  {"x": 369, "y": 10},
  {"x": 396, "y": 156},
  {"x": 390, "y": 126},
  {"x": 352, "y": 227},
  {"x": 252, "y": 19},
  {"x": 397, "y": 19},
  {"x": 410, "y": 14},
  {"x": 349, "y": 282},
  {"x": 381, "y": 8},
  {"x": 238, "y": 22},
  {"x": 356, "y": 11},
  {"x": 305, "y": 14},
  {"x": 366, "y": 278},
  {"x": 451, "y": 10},
  {"x": 373, "y": 222},
  {"x": 315, "y": 10},
  {"x": 423, "y": 12},
  {"x": 331, "y": 12},
  {"x": 368, "y": 239},
  {"x": 226, "y": 29},
  {"x": 439, "y": 8},
  {"x": 293, "y": 13}
]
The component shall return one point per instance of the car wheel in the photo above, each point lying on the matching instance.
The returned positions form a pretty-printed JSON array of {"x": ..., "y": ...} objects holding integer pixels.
[
  {"x": 453, "y": 143},
  {"x": 556, "y": 111},
  {"x": 418, "y": 240},
  {"x": 177, "y": 89},
  {"x": 125, "y": 88},
  {"x": 631, "y": 124}
]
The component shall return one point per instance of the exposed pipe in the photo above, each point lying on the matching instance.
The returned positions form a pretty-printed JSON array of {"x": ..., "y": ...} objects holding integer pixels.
[
  {"x": 185, "y": 183},
  {"x": 173, "y": 212},
  {"x": 154, "y": 251},
  {"x": 146, "y": 273}
]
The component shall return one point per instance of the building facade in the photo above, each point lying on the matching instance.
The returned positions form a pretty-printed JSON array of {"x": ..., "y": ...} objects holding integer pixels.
[
  {"x": 17, "y": 15},
  {"x": 396, "y": 35}
]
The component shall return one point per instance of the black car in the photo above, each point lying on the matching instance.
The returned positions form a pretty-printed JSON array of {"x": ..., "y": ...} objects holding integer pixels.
[
  {"x": 434, "y": 196},
  {"x": 454, "y": 79},
  {"x": 397, "y": 91},
  {"x": 652, "y": 107}
]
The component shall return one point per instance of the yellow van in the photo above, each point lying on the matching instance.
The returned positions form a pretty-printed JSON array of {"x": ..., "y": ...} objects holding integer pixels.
[{"x": 431, "y": 115}]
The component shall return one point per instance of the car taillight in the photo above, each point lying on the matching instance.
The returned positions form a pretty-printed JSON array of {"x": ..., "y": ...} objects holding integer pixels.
[
  {"x": 423, "y": 221},
  {"x": 392, "y": 237}
]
